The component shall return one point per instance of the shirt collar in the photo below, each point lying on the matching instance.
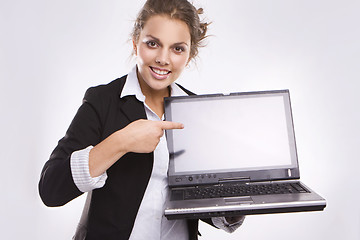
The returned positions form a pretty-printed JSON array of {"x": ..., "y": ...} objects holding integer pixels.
[{"x": 132, "y": 87}]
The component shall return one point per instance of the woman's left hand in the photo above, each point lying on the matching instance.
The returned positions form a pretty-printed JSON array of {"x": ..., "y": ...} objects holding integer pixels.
[{"x": 234, "y": 219}]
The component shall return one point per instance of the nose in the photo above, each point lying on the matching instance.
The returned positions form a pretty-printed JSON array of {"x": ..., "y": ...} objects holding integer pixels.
[{"x": 163, "y": 57}]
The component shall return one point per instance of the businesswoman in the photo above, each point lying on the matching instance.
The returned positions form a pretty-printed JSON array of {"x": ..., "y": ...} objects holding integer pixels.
[{"x": 115, "y": 148}]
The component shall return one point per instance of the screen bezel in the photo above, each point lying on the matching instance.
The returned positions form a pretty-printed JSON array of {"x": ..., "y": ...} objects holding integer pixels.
[{"x": 208, "y": 176}]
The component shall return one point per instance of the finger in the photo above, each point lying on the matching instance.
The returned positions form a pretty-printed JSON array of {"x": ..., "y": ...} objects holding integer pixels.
[{"x": 167, "y": 125}]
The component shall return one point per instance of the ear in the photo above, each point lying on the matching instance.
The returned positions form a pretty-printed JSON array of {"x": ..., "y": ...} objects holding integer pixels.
[{"x": 134, "y": 47}]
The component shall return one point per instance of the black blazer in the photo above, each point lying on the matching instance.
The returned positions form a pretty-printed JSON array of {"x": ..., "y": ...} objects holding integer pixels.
[{"x": 112, "y": 212}]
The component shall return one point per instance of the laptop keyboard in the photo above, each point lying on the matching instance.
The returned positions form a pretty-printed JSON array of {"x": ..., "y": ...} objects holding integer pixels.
[{"x": 230, "y": 190}]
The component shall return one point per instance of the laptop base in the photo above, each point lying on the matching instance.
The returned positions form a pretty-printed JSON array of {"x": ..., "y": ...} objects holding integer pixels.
[{"x": 244, "y": 212}]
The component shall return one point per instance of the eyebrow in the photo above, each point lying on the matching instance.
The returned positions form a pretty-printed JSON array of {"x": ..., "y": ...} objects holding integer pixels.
[{"x": 158, "y": 40}]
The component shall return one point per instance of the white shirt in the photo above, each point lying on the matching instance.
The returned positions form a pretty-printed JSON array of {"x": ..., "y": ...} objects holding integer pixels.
[{"x": 150, "y": 222}]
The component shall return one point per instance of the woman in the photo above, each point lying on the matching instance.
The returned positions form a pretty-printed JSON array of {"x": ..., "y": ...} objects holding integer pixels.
[{"x": 115, "y": 148}]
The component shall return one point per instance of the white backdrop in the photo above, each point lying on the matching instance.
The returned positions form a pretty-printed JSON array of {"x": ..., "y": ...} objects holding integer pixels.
[{"x": 52, "y": 51}]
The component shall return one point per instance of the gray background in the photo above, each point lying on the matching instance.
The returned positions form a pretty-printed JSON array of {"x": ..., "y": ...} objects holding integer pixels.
[{"x": 52, "y": 51}]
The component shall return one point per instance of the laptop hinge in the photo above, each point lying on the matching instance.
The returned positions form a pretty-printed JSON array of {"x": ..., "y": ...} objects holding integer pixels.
[{"x": 235, "y": 179}]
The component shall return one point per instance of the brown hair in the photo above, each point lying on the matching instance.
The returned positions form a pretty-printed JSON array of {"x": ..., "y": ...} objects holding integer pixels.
[{"x": 177, "y": 9}]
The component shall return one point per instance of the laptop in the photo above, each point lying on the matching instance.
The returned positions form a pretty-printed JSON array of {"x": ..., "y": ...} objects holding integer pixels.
[{"x": 235, "y": 156}]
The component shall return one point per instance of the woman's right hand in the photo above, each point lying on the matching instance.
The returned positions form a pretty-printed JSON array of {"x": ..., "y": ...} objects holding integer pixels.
[{"x": 141, "y": 136}]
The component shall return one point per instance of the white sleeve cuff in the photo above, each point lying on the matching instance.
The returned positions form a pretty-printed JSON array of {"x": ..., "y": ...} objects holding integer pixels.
[
  {"x": 79, "y": 163},
  {"x": 221, "y": 223}
]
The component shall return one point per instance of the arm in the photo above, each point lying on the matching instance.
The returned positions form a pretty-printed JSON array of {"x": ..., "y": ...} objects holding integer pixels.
[
  {"x": 57, "y": 185},
  {"x": 228, "y": 224},
  {"x": 141, "y": 136}
]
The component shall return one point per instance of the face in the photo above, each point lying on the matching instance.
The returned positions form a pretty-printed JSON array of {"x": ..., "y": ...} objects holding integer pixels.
[{"x": 162, "y": 52}]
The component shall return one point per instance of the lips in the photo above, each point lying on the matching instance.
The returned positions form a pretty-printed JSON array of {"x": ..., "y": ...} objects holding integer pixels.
[{"x": 159, "y": 73}]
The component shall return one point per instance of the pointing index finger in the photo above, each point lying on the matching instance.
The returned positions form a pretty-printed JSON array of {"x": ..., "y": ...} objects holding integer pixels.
[{"x": 167, "y": 125}]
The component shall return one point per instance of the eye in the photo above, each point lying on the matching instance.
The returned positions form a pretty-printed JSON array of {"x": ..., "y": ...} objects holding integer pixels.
[
  {"x": 179, "y": 49},
  {"x": 151, "y": 44}
]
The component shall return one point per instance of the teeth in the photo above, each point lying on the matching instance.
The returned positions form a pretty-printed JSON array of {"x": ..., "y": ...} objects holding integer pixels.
[{"x": 160, "y": 72}]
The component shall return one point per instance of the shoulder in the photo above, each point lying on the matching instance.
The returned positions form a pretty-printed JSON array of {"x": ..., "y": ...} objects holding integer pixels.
[
  {"x": 105, "y": 91},
  {"x": 104, "y": 99}
]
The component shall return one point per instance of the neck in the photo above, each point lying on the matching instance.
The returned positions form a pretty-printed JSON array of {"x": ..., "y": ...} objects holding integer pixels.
[{"x": 155, "y": 98}]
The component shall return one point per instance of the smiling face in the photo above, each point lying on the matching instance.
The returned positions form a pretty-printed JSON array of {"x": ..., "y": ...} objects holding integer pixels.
[{"x": 162, "y": 52}]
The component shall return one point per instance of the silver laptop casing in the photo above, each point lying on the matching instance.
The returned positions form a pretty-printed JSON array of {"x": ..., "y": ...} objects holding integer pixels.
[{"x": 226, "y": 110}]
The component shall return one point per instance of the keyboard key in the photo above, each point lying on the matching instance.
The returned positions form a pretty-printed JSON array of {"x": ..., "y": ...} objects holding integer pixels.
[{"x": 230, "y": 190}]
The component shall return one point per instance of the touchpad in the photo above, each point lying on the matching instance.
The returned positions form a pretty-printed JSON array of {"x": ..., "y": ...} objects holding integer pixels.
[{"x": 238, "y": 200}]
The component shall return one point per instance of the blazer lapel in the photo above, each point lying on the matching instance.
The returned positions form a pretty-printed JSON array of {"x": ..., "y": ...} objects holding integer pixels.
[{"x": 133, "y": 108}]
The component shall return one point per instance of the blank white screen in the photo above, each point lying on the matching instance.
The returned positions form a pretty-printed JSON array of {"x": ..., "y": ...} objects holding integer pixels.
[{"x": 231, "y": 133}]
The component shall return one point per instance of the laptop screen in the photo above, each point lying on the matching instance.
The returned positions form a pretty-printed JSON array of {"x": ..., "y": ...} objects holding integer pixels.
[{"x": 225, "y": 134}]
